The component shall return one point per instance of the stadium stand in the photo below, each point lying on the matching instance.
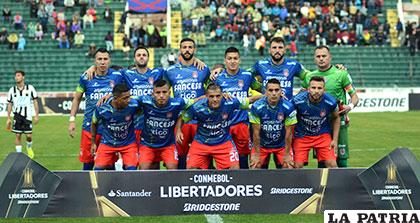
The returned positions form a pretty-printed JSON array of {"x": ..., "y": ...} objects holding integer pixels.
[{"x": 52, "y": 69}]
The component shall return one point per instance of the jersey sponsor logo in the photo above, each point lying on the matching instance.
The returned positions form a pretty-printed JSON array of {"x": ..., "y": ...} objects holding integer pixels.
[
  {"x": 194, "y": 74},
  {"x": 178, "y": 76},
  {"x": 241, "y": 83},
  {"x": 268, "y": 72},
  {"x": 286, "y": 72},
  {"x": 266, "y": 117},
  {"x": 151, "y": 80},
  {"x": 225, "y": 115},
  {"x": 280, "y": 116},
  {"x": 322, "y": 113},
  {"x": 135, "y": 81},
  {"x": 95, "y": 84}
]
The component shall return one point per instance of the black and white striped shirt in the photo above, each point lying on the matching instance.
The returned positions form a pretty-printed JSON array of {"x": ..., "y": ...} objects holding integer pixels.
[{"x": 22, "y": 100}]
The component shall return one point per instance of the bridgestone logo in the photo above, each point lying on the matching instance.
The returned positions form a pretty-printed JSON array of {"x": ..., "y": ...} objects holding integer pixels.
[{"x": 188, "y": 207}]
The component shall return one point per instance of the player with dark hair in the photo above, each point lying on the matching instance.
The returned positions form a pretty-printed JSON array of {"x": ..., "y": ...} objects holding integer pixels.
[
  {"x": 100, "y": 85},
  {"x": 338, "y": 84},
  {"x": 116, "y": 118},
  {"x": 213, "y": 139},
  {"x": 187, "y": 82},
  {"x": 273, "y": 119},
  {"x": 237, "y": 83},
  {"x": 314, "y": 108},
  {"x": 20, "y": 99}
]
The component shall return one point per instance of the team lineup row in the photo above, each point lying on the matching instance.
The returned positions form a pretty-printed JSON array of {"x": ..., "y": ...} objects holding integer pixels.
[{"x": 209, "y": 112}]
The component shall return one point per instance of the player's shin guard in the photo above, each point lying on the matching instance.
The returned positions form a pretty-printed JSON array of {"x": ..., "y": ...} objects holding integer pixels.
[
  {"x": 130, "y": 168},
  {"x": 182, "y": 162},
  {"x": 88, "y": 166},
  {"x": 342, "y": 163},
  {"x": 321, "y": 164},
  {"x": 243, "y": 162}
]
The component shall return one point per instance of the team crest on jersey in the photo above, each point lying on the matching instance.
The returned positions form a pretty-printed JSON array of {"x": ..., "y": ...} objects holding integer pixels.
[
  {"x": 169, "y": 115},
  {"x": 323, "y": 113},
  {"x": 127, "y": 118},
  {"x": 325, "y": 79},
  {"x": 194, "y": 74},
  {"x": 280, "y": 117},
  {"x": 111, "y": 83},
  {"x": 151, "y": 80},
  {"x": 241, "y": 83},
  {"x": 224, "y": 115},
  {"x": 286, "y": 72}
]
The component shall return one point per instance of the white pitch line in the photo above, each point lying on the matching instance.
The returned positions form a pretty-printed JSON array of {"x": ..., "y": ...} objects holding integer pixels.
[
  {"x": 214, "y": 218},
  {"x": 380, "y": 149},
  {"x": 49, "y": 155}
]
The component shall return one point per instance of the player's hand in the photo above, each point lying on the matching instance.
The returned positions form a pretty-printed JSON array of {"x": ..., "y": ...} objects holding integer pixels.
[
  {"x": 288, "y": 162},
  {"x": 93, "y": 149},
  {"x": 283, "y": 95},
  {"x": 341, "y": 66},
  {"x": 255, "y": 161},
  {"x": 36, "y": 119},
  {"x": 179, "y": 136},
  {"x": 90, "y": 72},
  {"x": 72, "y": 129},
  {"x": 103, "y": 100},
  {"x": 9, "y": 124},
  {"x": 214, "y": 73},
  {"x": 227, "y": 96},
  {"x": 344, "y": 109},
  {"x": 199, "y": 64},
  {"x": 334, "y": 146}
]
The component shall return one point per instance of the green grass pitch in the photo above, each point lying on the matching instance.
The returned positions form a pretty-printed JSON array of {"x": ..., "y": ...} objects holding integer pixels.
[{"x": 372, "y": 135}]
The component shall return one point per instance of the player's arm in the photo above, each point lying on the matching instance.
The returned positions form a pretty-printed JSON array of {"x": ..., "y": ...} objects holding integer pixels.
[
  {"x": 36, "y": 108},
  {"x": 9, "y": 110},
  {"x": 74, "y": 107},
  {"x": 217, "y": 69},
  {"x": 254, "y": 119},
  {"x": 290, "y": 122},
  {"x": 336, "y": 129},
  {"x": 94, "y": 131},
  {"x": 185, "y": 117},
  {"x": 349, "y": 88}
]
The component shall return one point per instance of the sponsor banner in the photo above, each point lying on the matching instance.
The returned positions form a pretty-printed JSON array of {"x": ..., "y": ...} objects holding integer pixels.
[
  {"x": 26, "y": 187},
  {"x": 393, "y": 182},
  {"x": 368, "y": 216},
  {"x": 382, "y": 102},
  {"x": 147, "y": 6}
]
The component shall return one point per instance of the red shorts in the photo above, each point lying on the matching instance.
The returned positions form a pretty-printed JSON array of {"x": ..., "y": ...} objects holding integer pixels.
[
  {"x": 278, "y": 152},
  {"x": 321, "y": 143},
  {"x": 188, "y": 130},
  {"x": 85, "y": 155},
  {"x": 225, "y": 155},
  {"x": 138, "y": 133},
  {"x": 241, "y": 138},
  {"x": 105, "y": 155},
  {"x": 151, "y": 155}
]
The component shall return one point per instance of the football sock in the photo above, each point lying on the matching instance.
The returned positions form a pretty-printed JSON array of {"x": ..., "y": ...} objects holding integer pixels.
[
  {"x": 182, "y": 162},
  {"x": 243, "y": 161},
  {"x": 19, "y": 149},
  {"x": 88, "y": 166}
]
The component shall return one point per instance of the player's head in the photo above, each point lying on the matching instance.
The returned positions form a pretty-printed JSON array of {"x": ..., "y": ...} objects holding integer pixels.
[
  {"x": 102, "y": 60},
  {"x": 141, "y": 56},
  {"x": 214, "y": 95},
  {"x": 273, "y": 91},
  {"x": 316, "y": 88},
  {"x": 322, "y": 57},
  {"x": 277, "y": 49},
  {"x": 161, "y": 92},
  {"x": 121, "y": 94},
  {"x": 232, "y": 59},
  {"x": 187, "y": 48},
  {"x": 19, "y": 76}
]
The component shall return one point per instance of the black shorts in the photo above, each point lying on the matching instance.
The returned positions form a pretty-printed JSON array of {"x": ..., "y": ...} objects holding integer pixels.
[{"x": 21, "y": 124}]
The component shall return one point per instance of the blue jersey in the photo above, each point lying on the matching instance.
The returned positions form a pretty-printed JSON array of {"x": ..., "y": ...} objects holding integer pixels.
[
  {"x": 272, "y": 121},
  {"x": 313, "y": 119},
  {"x": 187, "y": 81},
  {"x": 237, "y": 86},
  {"x": 284, "y": 72},
  {"x": 94, "y": 90},
  {"x": 213, "y": 125},
  {"x": 117, "y": 125},
  {"x": 141, "y": 84},
  {"x": 159, "y": 122}
]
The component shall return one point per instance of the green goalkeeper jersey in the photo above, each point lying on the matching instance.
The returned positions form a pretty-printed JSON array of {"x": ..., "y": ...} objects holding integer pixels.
[{"x": 337, "y": 82}]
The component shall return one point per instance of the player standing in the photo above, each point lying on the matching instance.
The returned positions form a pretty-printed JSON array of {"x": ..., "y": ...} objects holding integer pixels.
[
  {"x": 100, "y": 85},
  {"x": 237, "y": 83},
  {"x": 338, "y": 83},
  {"x": 187, "y": 82},
  {"x": 20, "y": 98},
  {"x": 314, "y": 108},
  {"x": 273, "y": 119}
]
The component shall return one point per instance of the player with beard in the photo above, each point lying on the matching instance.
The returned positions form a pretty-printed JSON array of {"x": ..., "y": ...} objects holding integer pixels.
[
  {"x": 315, "y": 109},
  {"x": 187, "y": 82}
]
